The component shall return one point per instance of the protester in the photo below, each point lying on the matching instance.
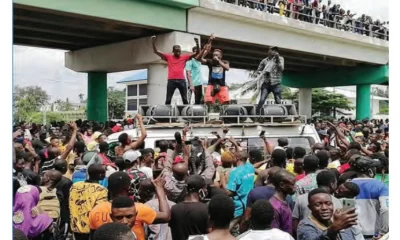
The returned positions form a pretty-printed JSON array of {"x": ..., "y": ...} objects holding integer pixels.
[
  {"x": 238, "y": 186},
  {"x": 284, "y": 185},
  {"x": 221, "y": 209},
  {"x": 270, "y": 69},
  {"x": 324, "y": 222},
  {"x": 217, "y": 67},
  {"x": 114, "y": 231},
  {"x": 119, "y": 185},
  {"x": 26, "y": 216},
  {"x": 309, "y": 180},
  {"x": 84, "y": 196},
  {"x": 147, "y": 193},
  {"x": 190, "y": 217},
  {"x": 176, "y": 64},
  {"x": 195, "y": 77},
  {"x": 262, "y": 217},
  {"x": 325, "y": 180}
]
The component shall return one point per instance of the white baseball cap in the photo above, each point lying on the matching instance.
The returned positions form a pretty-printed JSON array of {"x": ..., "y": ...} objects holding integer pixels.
[{"x": 131, "y": 156}]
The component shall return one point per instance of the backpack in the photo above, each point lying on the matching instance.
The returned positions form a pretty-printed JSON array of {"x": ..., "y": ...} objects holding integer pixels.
[
  {"x": 136, "y": 177},
  {"x": 49, "y": 203}
]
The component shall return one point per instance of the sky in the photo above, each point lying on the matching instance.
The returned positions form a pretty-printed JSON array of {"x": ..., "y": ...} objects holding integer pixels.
[{"x": 45, "y": 67}]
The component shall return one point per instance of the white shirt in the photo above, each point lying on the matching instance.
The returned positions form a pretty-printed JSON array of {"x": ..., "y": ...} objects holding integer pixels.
[
  {"x": 146, "y": 170},
  {"x": 272, "y": 234}
]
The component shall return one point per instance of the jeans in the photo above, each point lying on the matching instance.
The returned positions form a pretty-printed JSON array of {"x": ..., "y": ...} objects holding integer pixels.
[
  {"x": 176, "y": 84},
  {"x": 267, "y": 88}
]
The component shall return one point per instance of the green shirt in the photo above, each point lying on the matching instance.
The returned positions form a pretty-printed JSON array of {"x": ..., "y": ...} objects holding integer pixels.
[
  {"x": 195, "y": 67},
  {"x": 385, "y": 180}
]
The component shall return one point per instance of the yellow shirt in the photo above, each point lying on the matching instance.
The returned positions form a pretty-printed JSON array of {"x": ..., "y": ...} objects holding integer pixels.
[{"x": 84, "y": 196}]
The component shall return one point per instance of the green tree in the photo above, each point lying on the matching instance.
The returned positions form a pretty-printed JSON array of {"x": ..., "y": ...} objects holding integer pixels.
[
  {"x": 37, "y": 117},
  {"x": 63, "y": 105},
  {"x": 116, "y": 103},
  {"x": 27, "y": 100},
  {"x": 327, "y": 102}
]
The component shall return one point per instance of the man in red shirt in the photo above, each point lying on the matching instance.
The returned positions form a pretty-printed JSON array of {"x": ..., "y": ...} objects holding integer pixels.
[{"x": 176, "y": 65}]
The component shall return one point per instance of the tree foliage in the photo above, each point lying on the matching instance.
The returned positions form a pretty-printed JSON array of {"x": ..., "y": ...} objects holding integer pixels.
[
  {"x": 37, "y": 117},
  {"x": 27, "y": 100},
  {"x": 116, "y": 103},
  {"x": 326, "y": 102},
  {"x": 61, "y": 105}
]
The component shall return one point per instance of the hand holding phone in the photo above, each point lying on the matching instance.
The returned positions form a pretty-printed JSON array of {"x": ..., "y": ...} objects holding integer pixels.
[{"x": 348, "y": 203}]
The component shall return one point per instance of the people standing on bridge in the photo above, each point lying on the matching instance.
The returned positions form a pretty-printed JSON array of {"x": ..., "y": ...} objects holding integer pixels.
[
  {"x": 176, "y": 64},
  {"x": 216, "y": 88},
  {"x": 271, "y": 69}
]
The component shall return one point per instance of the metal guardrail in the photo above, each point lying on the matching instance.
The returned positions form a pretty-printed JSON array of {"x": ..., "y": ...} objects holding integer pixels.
[{"x": 314, "y": 16}]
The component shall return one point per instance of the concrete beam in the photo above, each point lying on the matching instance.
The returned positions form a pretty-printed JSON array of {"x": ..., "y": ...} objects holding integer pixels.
[
  {"x": 126, "y": 56},
  {"x": 261, "y": 28},
  {"x": 339, "y": 76},
  {"x": 139, "y": 12}
]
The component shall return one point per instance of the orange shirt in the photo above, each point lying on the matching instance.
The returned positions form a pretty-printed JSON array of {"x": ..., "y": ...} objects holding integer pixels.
[{"x": 100, "y": 215}]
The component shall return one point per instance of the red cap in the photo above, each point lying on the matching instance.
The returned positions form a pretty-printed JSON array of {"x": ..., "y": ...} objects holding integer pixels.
[
  {"x": 116, "y": 128},
  {"x": 129, "y": 121},
  {"x": 178, "y": 159}
]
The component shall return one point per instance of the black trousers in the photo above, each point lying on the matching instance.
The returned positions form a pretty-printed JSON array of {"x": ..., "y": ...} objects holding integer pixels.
[
  {"x": 198, "y": 94},
  {"x": 174, "y": 84},
  {"x": 265, "y": 90}
]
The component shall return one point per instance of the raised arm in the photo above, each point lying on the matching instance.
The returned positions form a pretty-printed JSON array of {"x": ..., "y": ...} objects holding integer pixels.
[
  {"x": 71, "y": 142},
  {"x": 196, "y": 40},
  {"x": 155, "y": 50},
  {"x": 143, "y": 133},
  {"x": 207, "y": 48},
  {"x": 164, "y": 215}
]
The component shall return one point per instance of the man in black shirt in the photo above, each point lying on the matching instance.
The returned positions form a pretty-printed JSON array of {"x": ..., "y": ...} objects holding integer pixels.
[
  {"x": 216, "y": 89},
  {"x": 190, "y": 217}
]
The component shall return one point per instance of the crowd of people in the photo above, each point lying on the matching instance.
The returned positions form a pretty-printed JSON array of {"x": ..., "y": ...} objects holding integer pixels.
[
  {"x": 314, "y": 11},
  {"x": 71, "y": 184}
]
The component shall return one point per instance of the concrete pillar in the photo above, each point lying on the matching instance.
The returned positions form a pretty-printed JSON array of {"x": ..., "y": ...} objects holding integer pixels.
[
  {"x": 305, "y": 101},
  {"x": 363, "y": 101},
  {"x": 96, "y": 108},
  {"x": 157, "y": 75}
]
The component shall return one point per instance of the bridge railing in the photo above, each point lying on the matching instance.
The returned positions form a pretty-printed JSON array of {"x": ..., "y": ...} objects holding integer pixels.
[{"x": 319, "y": 17}]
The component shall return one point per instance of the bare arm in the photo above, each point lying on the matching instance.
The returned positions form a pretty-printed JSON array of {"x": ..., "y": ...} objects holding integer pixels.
[
  {"x": 197, "y": 49},
  {"x": 224, "y": 65},
  {"x": 143, "y": 133},
  {"x": 211, "y": 148},
  {"x": 164, "y": 215},
  {"x": 234, "y": 143},
  {"x": 155, "y": 50},
  {"x": 268, "y": 145},
  {"x": 71, "y": 142}
]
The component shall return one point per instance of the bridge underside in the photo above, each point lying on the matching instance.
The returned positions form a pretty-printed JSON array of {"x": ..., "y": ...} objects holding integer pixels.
[
  {"x": 39, "y": 27},
  {"x": 248, "y": 56}
]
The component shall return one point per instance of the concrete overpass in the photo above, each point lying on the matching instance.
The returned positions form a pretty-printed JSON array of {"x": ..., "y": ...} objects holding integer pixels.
[{"x": 109, "y": 36}]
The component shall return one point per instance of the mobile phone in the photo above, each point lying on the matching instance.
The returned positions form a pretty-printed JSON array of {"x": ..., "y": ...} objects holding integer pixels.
[
  {"x": 348, "y": 203},
  {"x": 262, "y": 133},
  {"x": 156, "y": 173}
]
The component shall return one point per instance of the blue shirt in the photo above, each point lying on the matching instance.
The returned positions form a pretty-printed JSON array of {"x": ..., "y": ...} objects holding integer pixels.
[
  {"x": 373, "y": 202},
  {"x": 79, "y": 175},
  {"x": 195, "y": 67},
  {"x": 240, "y": 182}
]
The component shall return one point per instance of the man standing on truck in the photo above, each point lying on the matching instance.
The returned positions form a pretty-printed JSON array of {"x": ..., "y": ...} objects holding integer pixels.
[
  {"x": 216, "y": 88},
  {"x": 270, "y": 70},
  {"x": 176, "y": 65}
]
